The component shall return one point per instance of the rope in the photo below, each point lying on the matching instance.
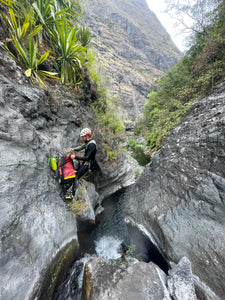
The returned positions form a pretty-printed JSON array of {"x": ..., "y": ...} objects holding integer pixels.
[
  {"x": 35, "y": 162},
  {"x": 29, "y": 164},
  {"x": 56, "y": 150}
]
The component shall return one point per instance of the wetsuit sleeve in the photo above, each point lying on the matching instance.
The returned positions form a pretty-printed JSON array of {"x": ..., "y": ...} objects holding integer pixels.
[
  {"x": 80, "y": 147},
  {"x": 90, "y": 150}
]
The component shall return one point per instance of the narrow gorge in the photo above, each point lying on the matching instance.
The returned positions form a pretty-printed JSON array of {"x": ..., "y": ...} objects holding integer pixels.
[{"x": 156, "y": 236}]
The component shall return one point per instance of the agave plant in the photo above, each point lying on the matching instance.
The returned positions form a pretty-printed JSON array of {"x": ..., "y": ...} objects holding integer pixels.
[
  {"x": 21, "y": 8},
  {"x": 73, "y": 7},
  {"x": 47, "y": 15},
  {"x": 84, "y": 36},
  {"x": 69, "y": 53},
  {"x": 21, "y": 30},
  {"x": 28, "y": 59}
]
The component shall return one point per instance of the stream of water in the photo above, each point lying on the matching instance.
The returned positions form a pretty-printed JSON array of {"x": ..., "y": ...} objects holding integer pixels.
[{"x": 110, "y": 239}]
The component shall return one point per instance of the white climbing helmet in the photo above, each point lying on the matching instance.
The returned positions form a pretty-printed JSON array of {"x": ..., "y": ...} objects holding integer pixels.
[{"x": 85, "y": 131}]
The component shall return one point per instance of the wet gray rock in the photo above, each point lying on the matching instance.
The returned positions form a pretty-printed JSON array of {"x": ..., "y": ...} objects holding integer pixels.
[
  {"x": 180, "y": 196},
  {"x": 110, "y": 180},
  {"x": 35, "y": 224},
  {"x": 127, "y": 280},
  {"x": 180, "y": 281},
  {"x": 38, "y": 231},
  {"x": 90, "y": 201},
  {"x": 203, "y": 291}
]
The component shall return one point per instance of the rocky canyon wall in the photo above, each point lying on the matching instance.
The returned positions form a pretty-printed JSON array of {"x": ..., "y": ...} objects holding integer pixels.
[
  {"x": 180, "y": 197},
  {"x": 36, "y": 226}
]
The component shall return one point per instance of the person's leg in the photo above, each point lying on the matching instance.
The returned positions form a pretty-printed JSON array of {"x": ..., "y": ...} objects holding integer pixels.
[
  {"x": 67, "y": 189},
  {"x": 75, "y": 186},
  {"x": 63, "y": 190},
  {"x": 81, "y": 171}
]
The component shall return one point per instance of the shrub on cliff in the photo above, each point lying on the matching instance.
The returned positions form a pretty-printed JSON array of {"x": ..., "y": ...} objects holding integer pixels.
[
  {"x": 49, "y": 26},
  {"x": 190, "y": 80}
]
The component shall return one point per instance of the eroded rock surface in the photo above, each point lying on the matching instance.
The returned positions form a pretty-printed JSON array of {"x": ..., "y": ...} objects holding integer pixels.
[
  {"x": 130, "y": 279},
  {"x": 180, "y": 196},
  {"x": 180, "y": 282},
  {"x": 35, "y": 224},
  {"x": 115, "y": 279}
]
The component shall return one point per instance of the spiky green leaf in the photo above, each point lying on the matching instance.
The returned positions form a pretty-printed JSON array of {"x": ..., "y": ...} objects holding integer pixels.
[
  {"x": 43, "y": 57},
  {"x": 13, "y": 18}
]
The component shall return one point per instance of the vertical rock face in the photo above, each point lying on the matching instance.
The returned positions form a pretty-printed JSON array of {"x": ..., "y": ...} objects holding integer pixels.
[
  {"x": 180, "y": 197},
  {"x": 133, "y": 47},
  {"x": 35, "y": 224}
]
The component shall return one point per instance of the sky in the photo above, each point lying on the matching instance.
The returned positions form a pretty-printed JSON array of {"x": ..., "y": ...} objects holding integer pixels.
[{"x": 157, "y": 6}]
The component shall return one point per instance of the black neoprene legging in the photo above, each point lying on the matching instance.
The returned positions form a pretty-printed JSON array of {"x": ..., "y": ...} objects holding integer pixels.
[{"x": 82, "y": 170}]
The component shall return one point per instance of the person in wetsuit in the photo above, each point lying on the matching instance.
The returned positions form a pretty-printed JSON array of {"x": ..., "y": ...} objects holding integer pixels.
[
  {"x": 88, "y": 159},
  {"x": 69, "y": 176}
]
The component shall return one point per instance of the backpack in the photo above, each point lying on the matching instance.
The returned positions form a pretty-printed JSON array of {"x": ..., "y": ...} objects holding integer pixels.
[{"x": 66, "y": 169}]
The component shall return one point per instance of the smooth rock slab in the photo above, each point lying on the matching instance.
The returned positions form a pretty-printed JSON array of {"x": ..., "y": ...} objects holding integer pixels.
[{"x": 116, "y": 279}]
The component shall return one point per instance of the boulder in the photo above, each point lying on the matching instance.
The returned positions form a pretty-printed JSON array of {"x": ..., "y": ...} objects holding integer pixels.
[
  {"x": 180, "y": 281},
  {"x": 118, "y": 279}
]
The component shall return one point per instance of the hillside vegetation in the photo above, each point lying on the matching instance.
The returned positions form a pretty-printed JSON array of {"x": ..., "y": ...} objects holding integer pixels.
[
  {"x": 132, "y": 47},
  {"x": 195, "y": 75},
  {"x": 48, "y": 42},
  {"x": 45, "y": 39}
]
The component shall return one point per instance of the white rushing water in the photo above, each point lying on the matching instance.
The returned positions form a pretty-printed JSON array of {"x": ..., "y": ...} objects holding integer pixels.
[{"x": 108, "y": 247}]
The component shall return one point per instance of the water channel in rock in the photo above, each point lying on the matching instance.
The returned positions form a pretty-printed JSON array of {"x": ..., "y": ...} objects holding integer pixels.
[{"x": 110, "y": 239}]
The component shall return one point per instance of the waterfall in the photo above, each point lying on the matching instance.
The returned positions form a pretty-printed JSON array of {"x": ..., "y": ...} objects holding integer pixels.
[
  {"x": 110, "y": 239},
  {"x": 108, "y": 247}
]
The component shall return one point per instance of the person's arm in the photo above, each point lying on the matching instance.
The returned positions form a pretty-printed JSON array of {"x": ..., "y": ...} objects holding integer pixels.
[
  {"x": 80, "y": 147},
  {"x": 90, "y": 149},
  {"x": 77, "y": 148}
]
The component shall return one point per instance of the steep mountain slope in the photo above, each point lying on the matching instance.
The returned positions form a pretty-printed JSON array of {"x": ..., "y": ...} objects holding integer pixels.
[{"x": 133, "y": 47}]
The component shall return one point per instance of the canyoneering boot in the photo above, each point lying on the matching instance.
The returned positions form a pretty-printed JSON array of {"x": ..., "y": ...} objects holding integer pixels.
[
  {"x": 69, "y": 191},
  {"x": 68, "y": 196}
]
